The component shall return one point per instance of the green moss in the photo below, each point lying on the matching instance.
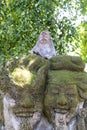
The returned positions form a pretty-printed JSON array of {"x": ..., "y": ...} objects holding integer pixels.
[
  {"x": 60, "y": 77},
  {"x": 30, "y": 62},
  {"x": 22, "y": 77},
  {"x": 64, "y": 62},
  {"x": 61, "y": 93},
  {"x": 81, "y": 82},
  {"x": 26, "y": 77}
]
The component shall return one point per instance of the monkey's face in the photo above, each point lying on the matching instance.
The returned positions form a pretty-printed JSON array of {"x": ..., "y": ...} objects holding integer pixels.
[
  {"x": 44, "y": 46},
  {"x": 44, "y": 35}
]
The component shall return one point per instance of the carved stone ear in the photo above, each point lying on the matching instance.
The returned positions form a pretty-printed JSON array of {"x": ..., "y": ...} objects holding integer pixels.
[
  {"x": 82, "y": 92},
  {"x": 81, "y": 82}
]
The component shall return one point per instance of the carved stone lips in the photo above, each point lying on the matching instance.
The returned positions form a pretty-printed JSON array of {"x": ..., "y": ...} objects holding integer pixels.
[
  {"x": 23, "y": 112},
  {"x": 26, "y": 115},
  {"x": 62, "y": 109}
]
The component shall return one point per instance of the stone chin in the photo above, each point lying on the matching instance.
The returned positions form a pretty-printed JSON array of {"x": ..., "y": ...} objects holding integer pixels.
[
  {"x": 52, "y": 113},
  {"x": 61, "y": 118},
  {"x": 16, "y": 118}
]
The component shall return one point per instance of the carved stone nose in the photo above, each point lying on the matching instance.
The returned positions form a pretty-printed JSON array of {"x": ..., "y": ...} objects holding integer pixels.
[
  {"x": 62, "y": 100},
  {"x": 27, "y": 102}
]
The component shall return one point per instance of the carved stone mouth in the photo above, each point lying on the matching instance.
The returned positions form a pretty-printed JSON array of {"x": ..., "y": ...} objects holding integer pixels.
[
  {"x": 60, "y": 111},
  {"x": 25, "y": 115},
  {"x": 66, "y": 107},
  {"x": 23, "y": 112}
]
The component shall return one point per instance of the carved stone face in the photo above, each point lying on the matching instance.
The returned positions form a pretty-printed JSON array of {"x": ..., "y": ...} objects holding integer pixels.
[
  {"x": 23, "y": 92},
  {"x": 61, "y": 94},
  {"x": 24, "y": 99},
  {"x": 19, "y": 116}
]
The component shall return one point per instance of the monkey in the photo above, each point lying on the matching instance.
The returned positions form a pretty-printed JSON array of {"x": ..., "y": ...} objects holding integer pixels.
[{"x": 44, "y": 46}]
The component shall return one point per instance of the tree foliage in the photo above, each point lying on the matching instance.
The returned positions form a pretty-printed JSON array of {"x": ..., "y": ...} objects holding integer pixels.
[
  {"x": 21, "y": 21},
  {"x": 83, "y": 40},
  {"x": 83, "y": 6}
]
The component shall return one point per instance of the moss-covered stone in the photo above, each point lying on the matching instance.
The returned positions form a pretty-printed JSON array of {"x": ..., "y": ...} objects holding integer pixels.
[
  {"x": 37, "y": 84},
  {"x": 81, "y": 81},
  {"x": 64, "y": 62},
  {"x": 1, "y": 113},
  {"x": 61, "y": 93},
  {"x": 65, "y": 89},
  {"x": 23, "y": 78}
]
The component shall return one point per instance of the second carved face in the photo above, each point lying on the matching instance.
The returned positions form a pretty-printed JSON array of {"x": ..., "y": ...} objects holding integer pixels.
[{"x": 61, "y": 95}]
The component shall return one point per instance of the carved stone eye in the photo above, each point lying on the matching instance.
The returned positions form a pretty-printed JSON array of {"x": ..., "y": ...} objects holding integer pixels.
[
  {"x": 55, "y": 91},
  {"x": 70, "y": 92}
]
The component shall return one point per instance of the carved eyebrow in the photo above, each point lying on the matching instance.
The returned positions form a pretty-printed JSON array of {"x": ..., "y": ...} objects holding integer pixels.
[
  {"x": 51, "y": 82},
  {"x": 70, "y": 91},
  {"x": 55, "y": 91}
]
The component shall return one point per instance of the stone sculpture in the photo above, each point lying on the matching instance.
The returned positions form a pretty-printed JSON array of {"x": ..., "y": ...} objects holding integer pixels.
[
  {"x": 65, "y": 90},
  {"x": 43, "y": 91},
  {"x": 39, "y": 95},
  {"x": 23, "y": 85}
]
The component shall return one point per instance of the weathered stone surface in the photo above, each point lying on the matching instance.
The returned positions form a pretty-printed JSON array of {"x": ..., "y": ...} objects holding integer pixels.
[
  {"x": 64, "y": 91},
  {"x": 61, "y": 93},
  {"x": 44, "y": 125},
  {"x": 41, "y": 94},
  {"x": 85, "y": 118},
  {"x": 82, "y": 113},
  {"x": 1, "y": 114},
  {"x": 65, "y": 62},
  {"x": 22, "y": 82}
]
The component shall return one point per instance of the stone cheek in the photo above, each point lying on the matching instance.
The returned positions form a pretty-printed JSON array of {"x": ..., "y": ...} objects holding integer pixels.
[{"x": 81, "y": 79}]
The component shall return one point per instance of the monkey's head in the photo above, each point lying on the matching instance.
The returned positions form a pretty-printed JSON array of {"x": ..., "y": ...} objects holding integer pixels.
[
  {"x": 44, "y": 46},
  {"x": 44, "y": 35}
]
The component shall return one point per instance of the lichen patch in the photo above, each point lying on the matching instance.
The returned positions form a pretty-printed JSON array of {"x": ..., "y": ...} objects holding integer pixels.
[{"x": 21, "y": 76}]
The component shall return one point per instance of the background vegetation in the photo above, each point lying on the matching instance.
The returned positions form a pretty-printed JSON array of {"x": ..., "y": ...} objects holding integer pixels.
[{"x": 21, "y": 21}]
